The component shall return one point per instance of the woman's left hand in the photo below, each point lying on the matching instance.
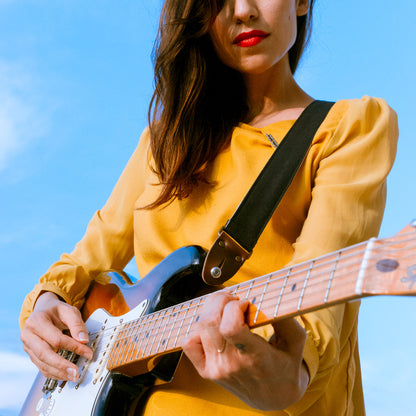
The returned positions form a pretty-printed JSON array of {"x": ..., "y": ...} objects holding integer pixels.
[{"x": 265, "y": 375}]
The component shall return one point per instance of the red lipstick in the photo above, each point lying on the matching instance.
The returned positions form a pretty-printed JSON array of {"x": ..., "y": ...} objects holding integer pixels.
[{"x": 252, "y": 38}]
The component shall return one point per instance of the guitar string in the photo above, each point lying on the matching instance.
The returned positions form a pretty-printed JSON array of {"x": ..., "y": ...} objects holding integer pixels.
[
  {"x": 293, "y": 281},
  {"x": 152, "y": 317},
  {"x": 242, "y": 286},
  {"x": 190, "y": 306},
  {"x": 185, "y": 307},
  {"x": 156, "y": 334}
]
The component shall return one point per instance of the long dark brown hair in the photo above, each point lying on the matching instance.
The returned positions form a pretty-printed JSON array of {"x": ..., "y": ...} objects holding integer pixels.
[{"x": 197, "y": 99}]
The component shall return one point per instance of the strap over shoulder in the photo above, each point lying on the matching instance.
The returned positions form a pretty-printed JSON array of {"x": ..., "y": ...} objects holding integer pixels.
[{"x": 238, "y": 237}]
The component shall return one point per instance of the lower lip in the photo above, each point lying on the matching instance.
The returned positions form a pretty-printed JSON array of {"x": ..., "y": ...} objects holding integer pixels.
[{"x": 253, "y": 41}]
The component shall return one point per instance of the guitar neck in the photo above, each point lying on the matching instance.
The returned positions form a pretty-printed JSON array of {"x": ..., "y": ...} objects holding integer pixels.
[{"x": 362, "y": 270}]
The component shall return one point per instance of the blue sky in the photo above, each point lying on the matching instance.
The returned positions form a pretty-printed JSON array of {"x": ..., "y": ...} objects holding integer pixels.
[{"x": 75, "y": 81}]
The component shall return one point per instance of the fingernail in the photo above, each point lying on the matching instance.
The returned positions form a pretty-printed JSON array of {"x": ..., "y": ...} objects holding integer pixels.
[
  {"x": 72, "y": 374},
  {"x": 83, "y": 336}
]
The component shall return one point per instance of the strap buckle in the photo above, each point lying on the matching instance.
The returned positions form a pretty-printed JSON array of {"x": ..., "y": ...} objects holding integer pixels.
[{"x": 223, "y": 260}]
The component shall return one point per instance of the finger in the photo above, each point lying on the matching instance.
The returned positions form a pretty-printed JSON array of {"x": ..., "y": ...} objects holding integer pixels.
[
  {"x": 49, "y": 362},
  {"x": 234, "y": 328},
  {"x": 42, "y": 328},
  {"x": 72, "y": 320},
  {"x": 290, "y": 336},
  {"x": 192, "y": 347},
  {"x": 209, "y": 324}
]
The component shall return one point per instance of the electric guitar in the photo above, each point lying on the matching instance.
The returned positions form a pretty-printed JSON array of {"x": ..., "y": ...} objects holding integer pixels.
[{"x": 135, "y": 329}]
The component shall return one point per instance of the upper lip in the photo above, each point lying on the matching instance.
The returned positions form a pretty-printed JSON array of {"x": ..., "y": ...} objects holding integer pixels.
[{"x": 252, "y": 33}]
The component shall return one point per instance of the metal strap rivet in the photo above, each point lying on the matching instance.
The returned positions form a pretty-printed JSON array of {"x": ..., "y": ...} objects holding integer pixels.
[{"x": 216, "y": 272}]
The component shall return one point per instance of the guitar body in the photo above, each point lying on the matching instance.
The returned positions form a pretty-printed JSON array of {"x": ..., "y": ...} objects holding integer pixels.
[
  {"x": 136, "y": 330},
  {"x": 100, "y": 392}
]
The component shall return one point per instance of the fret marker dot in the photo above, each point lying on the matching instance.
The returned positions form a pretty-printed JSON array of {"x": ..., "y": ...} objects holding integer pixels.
[
  {"x": 254, "y": 300},
  {"x": 197, "y": 319},
  {"x": 163, "y": 342},
  {"x": 387, "y": 265},
  {"x": 293, "y": 287},
  {"x": 147, "y": 335}
]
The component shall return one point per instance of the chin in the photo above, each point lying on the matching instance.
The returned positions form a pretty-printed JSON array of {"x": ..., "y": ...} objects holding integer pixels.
[{"x": 257, "y": 66}]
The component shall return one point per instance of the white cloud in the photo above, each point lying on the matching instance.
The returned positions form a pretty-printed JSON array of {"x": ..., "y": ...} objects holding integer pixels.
[
  {"x": 388, "y": 378},
  {"x": 21, "y": 120},
  {"x": 16, "y": 377}
]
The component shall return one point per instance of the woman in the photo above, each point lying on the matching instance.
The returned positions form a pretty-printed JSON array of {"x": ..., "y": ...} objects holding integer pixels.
[{"x": 224, "y": 85}]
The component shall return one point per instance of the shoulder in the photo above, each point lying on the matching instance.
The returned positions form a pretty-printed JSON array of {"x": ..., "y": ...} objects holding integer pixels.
[
  {"x": 356, "y": 126},
  {"x": 358, "y": 118},
  {"x": 366, "y": 110}
]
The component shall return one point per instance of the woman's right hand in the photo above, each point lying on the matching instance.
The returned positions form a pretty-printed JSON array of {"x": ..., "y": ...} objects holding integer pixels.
[{"x": 43, "y": 336}]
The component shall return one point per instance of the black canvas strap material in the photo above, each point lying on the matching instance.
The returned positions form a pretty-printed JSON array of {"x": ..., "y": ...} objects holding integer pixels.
[{"x": 239, "y": 236}]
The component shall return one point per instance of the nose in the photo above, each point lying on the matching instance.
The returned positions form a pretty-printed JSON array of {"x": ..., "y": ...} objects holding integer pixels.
[{"x": 245, "y": 10}]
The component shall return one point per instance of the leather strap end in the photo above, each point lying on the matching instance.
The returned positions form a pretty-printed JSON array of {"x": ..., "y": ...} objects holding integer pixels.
[{"x": 223, "y": 260}]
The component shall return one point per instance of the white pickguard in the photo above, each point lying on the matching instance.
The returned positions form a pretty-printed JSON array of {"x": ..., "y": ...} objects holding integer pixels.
[{"x": 69, "y": 399}]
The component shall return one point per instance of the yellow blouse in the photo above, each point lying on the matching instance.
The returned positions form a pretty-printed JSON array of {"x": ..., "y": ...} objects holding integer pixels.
[{"x": 336, "y": 199}]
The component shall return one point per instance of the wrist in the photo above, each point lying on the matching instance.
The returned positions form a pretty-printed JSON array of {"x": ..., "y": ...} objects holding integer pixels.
[{"x": 44, "y": 298}]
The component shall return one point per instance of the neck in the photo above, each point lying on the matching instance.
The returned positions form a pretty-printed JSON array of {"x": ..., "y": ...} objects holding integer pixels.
[
  {"x": 375, "y": 267},
  {"x": 274, "y": 95}
]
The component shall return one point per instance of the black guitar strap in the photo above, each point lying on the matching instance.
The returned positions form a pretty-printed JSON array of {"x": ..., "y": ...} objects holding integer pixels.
[{"x": 238, "y": 237}]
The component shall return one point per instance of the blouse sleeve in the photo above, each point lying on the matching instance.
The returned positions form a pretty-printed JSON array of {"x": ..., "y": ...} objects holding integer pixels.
[
  {"x": 107, "y": 244},
  {"x": 348, "y": 199}
]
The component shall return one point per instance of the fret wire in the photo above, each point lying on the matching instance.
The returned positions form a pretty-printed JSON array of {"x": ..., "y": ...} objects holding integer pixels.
[
  {"x": 145, "y": 332},
  {"x": 152, "y": 327},
  {"x": 249, "y": 289},
  {"x": 277, "y": 272},
  {"x": 400, "y": 239},
  {"x": 155, "y": 330},
  {"x": 190, "y": 305},
  {"x": 180, "y": 328},
  {"x": 131, "y": 344},
  {"x": 294, "y": 281},
  {"x": 255, "y": 283},
  {"x": 294, "y": 296},
  {"x": 323, "y": 264},
  {"x": 136, "y": 337},
  {"x": 142, "y": 332},
  {"x": 271, "y": 299},
  {"x": 164, "y": 328},
  {"x": 294, "y": 271},
  {"x": 148, "y": 333},
  {"x": 193, "y": 316},
  {"x": 113, "y": 338},
  {"x": 123, "y": 342},
  {"x": 305, "y": 283},
  {"x": 338, "y": 278},
  {"x": 175, "y": 315},
  {"x": 112, "y": 352},
  {"x": 261, "y": 299},
  {"x": 314, "y": 283},
  {"x": 281, "y": 291},
  {"x": 331, "y": 277},
  {"x": 119, "y": 342},
  {"x": 237, "y": 288}
]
